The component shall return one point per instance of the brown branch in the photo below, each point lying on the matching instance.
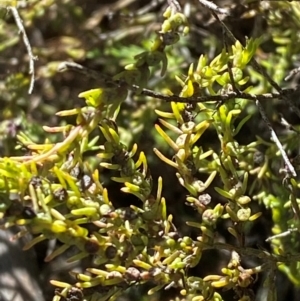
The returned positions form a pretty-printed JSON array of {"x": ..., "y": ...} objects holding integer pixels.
[{"x": 105, "y": 80}]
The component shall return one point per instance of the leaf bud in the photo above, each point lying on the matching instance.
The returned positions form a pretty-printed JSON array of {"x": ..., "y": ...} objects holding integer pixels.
[
  {"x": 168, "y": 13},
  {"x": 209, "y": 217},
  {"x": 170, "y": 242},
  {"x": 244, "y": 214},
  {"x": 105, "y": 210},
  {"x": 114, "y": 274},
  {"x": 243, "y": 200},
  {"x": 187, "y": 240},
  {"x": 166, "y": 26}
]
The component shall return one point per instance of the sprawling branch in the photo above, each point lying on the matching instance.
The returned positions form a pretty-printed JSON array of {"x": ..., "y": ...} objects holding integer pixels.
[{"x": 104, "y": 79}]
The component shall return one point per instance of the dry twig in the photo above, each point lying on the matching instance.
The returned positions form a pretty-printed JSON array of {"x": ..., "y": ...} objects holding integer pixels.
[
  {"x": 213, "y": 7},
  {"x": 32, "y": 58}
]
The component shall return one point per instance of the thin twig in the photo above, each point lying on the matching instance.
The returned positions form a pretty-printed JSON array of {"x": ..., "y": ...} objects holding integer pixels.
[
  {"x": 32, "y": 58},
  {"x": 276, "y": 140},
  {"x": 89, "y": 73},
  {"x": 293, "y": 198},
  {"x": 217, "y": 98},
  {"x": 292, "y": 73},
  {"x": 229, "y": 63},
  {"x": 282, "y": 234},
  {"x": 148, "y": 7},
  {"x": 213, "y": 7},
  {"x": 174, "y": 4}
]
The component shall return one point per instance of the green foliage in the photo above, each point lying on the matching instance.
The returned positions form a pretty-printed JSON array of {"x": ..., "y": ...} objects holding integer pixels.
[{"x": 58, "y": 190}]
